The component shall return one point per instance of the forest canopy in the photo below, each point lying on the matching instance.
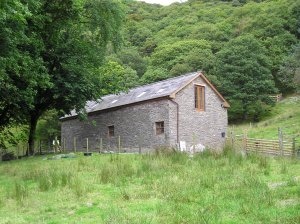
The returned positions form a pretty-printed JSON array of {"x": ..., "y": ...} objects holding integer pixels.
[{"x": 248, "y": 48}]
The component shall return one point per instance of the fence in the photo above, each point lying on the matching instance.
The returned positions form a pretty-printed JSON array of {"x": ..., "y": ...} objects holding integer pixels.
[
  {"x": 276, "y": 98},
  {"x": 278, "y": 147},
  {"x": 40, "y": 147},
  {"x": 115, "y": 144},
  {"x": 77, "y": 144}
]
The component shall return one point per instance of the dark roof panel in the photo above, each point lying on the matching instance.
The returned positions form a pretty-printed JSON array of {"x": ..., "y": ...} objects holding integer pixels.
[{"x": 138, "y": 94}]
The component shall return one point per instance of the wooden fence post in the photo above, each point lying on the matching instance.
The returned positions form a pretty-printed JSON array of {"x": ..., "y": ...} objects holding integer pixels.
[
  {"x": 64, "y": 144},
  {"x": 101, "y": 145},
  {"x": 245, "y": 141},
  {"x": 280, "y": 141},
  {"x": 87, "y": 144},
  {"x": 74, "y": 144},
  {"x": 140, "y": 145},
  {"x": 18, "y": 145},
  {"x": 232, "y": 140},
  {"x": 40, "y": 147},
  {"x": 119, "y": 144},
  {"x": 294, "y": 147},
  {"x": 55, "y": 144}
]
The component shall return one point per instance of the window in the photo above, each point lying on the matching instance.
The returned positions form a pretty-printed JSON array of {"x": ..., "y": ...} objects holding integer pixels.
[
  {"x": 111, "y": 131},
  {"x": 200, "y": 98},
  {"x": 159, "y": 127}
]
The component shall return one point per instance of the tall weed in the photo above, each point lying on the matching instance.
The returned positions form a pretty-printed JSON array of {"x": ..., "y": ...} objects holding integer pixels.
[{"x": 20, "y": 191}]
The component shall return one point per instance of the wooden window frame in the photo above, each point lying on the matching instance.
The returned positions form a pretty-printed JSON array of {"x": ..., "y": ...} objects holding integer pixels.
[
  {"x": 159, "y": 127},
  {"x": 199, "y": 91},
  {"x": 111, "y": 131}
]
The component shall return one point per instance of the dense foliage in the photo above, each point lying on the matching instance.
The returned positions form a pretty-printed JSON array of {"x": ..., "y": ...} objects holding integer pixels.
[
  {"x": 247, "y": 48},
  {"x": 50, "y": 53}
]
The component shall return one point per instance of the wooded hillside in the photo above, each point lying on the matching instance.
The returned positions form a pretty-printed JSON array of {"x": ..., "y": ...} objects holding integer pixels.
[{"x": 249, "y": 49}]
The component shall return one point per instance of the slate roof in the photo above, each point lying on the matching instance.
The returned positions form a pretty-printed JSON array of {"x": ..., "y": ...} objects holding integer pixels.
[{"x": 138, "y": 94}]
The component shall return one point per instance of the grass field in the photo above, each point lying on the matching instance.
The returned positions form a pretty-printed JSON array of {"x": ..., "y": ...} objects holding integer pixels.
[
  {"x": 285, "y": 115},
  {"x": 158, "y": 188}
]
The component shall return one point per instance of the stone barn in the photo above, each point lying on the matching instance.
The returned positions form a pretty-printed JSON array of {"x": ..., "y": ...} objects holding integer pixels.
[{"x": 186, "y": 109}]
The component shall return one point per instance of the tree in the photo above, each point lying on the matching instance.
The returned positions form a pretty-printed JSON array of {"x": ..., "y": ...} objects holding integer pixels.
[
  {"x": 246, "y": 80},
  {"x": 113, "y": 74},
  {"x": 154, "y": 75},
  {"x": 289, "y": 72},
  {"x": 131, "y": 58},
  {"x": 183, "y": 56},
  {"x": 49, "y": 55},
  {"x": 18, "y": 76}
]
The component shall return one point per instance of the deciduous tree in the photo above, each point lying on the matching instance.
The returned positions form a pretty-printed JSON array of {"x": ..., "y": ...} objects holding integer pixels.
[{"x": 49, "y": 52}]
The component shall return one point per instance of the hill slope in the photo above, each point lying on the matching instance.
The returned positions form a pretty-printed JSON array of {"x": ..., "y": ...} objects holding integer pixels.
[{"x": 285, "y": 115}]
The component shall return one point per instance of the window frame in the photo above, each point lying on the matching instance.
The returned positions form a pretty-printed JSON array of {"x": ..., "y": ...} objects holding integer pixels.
[
  {"x": 159, "y": 127},
  {"x": 199, "y": 97},
  {"x": 111, "y": 131}
]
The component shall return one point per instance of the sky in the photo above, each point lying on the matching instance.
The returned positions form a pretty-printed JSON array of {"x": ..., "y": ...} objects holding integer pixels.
[{"x": 162, "y": 2}]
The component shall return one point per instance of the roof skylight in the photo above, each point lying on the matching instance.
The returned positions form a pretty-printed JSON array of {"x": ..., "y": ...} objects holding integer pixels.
[
  {"x": 160, "y": 90},
  {"x": 114, "y": 101}
]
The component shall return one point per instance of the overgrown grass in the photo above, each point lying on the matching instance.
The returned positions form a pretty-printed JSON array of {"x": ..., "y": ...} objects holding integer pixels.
[{"x": 158, "y": 188}]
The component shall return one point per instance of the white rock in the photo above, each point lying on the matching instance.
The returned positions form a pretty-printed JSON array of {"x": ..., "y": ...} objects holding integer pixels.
[{"x": 197, "y": 148}]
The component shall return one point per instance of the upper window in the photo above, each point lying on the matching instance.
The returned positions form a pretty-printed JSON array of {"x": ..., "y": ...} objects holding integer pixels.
[
  {"x": 200, "y": 98},
  {"x": 111, "y": 131},
  {"x": 159, "y": 127}
]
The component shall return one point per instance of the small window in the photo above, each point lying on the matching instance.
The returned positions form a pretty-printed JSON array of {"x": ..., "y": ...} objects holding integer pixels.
[
  {"x": 111, "y": 131},
  {"x": 159, "y": 127},
  {"x": 200, "y": 98}
]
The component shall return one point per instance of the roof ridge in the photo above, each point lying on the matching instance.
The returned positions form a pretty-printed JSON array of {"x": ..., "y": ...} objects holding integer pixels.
[{"x": 149, "y": 84}]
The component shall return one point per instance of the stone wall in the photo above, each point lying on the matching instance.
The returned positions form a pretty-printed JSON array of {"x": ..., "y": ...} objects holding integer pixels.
[
  {"x": 134, "y": 124},
  {"x": 207, "y": 126}
]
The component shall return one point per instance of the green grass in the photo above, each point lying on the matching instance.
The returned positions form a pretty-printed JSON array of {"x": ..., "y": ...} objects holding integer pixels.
[
  {"x": 161, "y": 188},
  {"x": 285, "y": 115}
]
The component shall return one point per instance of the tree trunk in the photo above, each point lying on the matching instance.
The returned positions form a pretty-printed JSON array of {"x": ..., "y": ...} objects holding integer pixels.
[{"x": 33, "y": 123}]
